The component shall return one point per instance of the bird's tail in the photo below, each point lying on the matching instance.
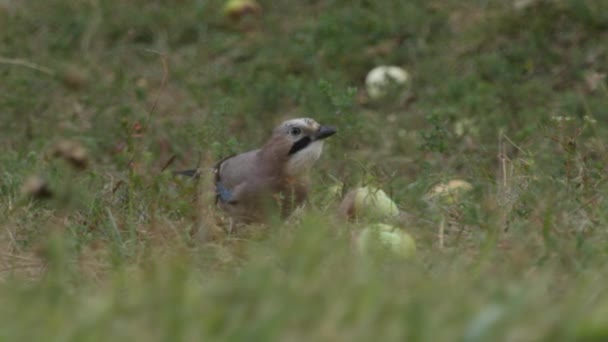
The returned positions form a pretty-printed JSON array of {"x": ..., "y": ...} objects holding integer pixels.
[{"x": 194, "y": 173}]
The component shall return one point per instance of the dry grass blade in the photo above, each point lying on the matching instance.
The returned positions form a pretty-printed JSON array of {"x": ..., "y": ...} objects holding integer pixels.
[{"x": 27, "y": 64}]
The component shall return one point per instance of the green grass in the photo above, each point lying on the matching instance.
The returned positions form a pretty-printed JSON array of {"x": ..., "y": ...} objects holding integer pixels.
[{"x": 113, "y": 255}]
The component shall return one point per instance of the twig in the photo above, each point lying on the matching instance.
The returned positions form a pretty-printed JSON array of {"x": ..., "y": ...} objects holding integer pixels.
[
  {"x": 442, "y": 232},
  {"x": 27, "y": 64},
  {"x": 163, "y": 83},
  {"x": 114, "y": 226},
  {"x": 12, "y": 238},
  {"x": 587, "y": 202},
  {"x": 9, "y": 255},
  {"x": 168, "y": 163},
  {"x": 514, "y": 144},
  {"x": 117, "y": 186},
  {"x": 503, "y": 189},
  {"x": 502, "y": 158},
  {"x": 15, "y": 267},
  {"x": 148, "y": 119}
]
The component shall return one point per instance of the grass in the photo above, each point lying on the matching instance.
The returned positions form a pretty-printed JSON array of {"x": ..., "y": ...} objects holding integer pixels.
[{"x": 512, "y": 100}]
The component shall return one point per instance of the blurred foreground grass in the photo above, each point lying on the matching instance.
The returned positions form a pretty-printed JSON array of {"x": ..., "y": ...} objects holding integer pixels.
[{"x": 510, "y": 96}]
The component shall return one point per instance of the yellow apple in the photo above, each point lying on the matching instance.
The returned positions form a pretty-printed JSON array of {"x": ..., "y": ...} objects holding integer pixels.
[
  {"x": 379, "y": 80},
  {"x": 449, "y": 192}
]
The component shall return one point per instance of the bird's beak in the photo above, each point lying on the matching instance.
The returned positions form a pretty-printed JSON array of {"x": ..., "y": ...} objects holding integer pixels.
[{"x": 324, "y": 132}]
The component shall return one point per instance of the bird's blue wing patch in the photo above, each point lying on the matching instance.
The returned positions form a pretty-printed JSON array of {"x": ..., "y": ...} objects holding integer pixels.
[{"x": 223, "y": 193}]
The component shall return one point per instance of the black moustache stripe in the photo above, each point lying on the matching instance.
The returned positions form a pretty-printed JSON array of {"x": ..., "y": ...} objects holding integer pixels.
[{"x": 300, "y": 145}]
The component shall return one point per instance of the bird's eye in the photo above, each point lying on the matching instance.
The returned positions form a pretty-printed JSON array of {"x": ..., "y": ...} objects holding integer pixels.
[{"x": 295, "y": 131}]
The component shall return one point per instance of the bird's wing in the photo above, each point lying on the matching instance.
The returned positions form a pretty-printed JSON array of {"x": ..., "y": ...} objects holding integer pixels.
[
  {"x": 223, "y": 194},
  {"x": 233, "y": 176}
]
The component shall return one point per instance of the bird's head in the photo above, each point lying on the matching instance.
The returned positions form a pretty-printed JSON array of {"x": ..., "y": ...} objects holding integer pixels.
[{"x": 299, "y": 142}]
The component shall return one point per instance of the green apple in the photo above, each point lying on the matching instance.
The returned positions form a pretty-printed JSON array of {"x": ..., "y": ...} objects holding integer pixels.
[
  {"x": 235, "y": 9},
  {"x": 367, "y": 202},
  {"x": 334, "y": 191},
  {"x": 372, "y": 202},
  {"x": 384, "y": 237}
]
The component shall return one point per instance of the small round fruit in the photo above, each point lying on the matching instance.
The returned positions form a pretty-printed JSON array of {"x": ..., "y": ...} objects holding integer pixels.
[
  {"x": 379, "y": 80},
  {"x": 383, "y": 237},
  {"x": 334, "y": 190},
  {"x": 75, "y": 78},
  {"x": 332, "y": 195},
  {"x": 450, "y": 192},
  {"x": 235, "y": 9},
  {"x": 368, "y": 202},
  {"x": 374, "y": 203}
]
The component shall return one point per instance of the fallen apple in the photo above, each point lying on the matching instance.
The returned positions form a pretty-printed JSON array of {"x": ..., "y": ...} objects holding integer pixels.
[
  {"x": 449, "y": 192},
  {"x": 381, "y": 79},
  {"x": 367, "y": 202},
  {"x": 235, "y": 9},
  {"x": 383, "y": 237}
]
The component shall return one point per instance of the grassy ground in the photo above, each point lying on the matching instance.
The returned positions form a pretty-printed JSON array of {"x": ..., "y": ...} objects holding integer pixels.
[{"x": 511, "y": 99}]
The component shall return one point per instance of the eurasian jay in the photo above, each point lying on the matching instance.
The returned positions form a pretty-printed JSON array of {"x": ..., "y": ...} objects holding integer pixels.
[{"x": 250, "y": 186}]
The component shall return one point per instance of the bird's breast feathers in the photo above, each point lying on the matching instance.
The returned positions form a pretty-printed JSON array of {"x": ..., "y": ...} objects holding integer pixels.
[{"x": 303, "y": 160}]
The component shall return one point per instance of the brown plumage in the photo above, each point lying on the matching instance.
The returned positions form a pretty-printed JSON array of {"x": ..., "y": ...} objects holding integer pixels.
[{"x": 251, "y": 186}]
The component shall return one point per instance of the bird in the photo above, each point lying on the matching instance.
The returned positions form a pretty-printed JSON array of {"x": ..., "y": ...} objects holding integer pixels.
[{"x": 253, "y": 186}]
